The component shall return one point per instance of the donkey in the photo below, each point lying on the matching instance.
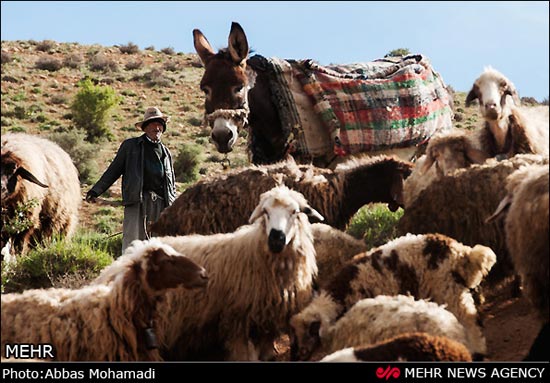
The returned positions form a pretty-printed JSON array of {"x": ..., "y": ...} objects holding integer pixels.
[{"x": 240, "y": 94}]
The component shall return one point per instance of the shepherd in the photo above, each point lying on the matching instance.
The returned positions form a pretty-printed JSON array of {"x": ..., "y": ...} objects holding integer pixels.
[{"x": 319, "y": 115}]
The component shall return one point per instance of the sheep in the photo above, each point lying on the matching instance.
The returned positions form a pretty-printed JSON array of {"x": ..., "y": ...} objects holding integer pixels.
[
  {"x": 416, "y": 346},
  {"x": 334, "y": 248},
  {"x": 41, "y": 177},
  {"x": 513, "y": 129},
  {"x": 210, "y": 206},
  {"x": 430, "y": 266},
  {"x": 372, "y": 320},
  {"x": 444, "y": 154},
  {"x": 458, "y": 204},
  {"x": 526, "y": 226},
  {"x": 261, "y": 275},
  {"x": 117, "y": 321}
]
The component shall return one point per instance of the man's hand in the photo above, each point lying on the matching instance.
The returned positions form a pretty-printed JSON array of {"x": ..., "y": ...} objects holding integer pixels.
[{"x": 91, "y": 196}]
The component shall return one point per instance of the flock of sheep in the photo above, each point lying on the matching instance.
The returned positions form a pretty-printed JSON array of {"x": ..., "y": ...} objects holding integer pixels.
[{"x": 223, "y": 280}]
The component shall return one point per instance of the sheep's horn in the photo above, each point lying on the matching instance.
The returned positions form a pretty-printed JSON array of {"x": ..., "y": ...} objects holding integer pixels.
[{"x": 25, "y": 174}]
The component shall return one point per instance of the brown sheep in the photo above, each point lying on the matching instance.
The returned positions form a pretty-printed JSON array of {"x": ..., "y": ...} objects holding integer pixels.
[
  {"x": 419, "y": 347},
  {"x": 38, "y": 174},
  {"x": 458, "y": 205},
  {"x": 117, "y": 321},
  {"x": 221, "y": 204}
]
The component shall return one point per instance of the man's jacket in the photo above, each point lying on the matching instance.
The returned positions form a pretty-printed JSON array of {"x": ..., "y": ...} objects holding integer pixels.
[{"x": 128, "y": 163}]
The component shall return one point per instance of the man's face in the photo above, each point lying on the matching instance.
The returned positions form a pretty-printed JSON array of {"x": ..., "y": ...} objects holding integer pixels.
[{"x": 154, "y": 130}]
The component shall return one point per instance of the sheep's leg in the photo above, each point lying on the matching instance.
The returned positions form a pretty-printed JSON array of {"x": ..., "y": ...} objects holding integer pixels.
[{"x": 241, "y": 349}]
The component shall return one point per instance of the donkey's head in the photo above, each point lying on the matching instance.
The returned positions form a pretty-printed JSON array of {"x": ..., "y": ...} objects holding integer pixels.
[{"x": 225, "y": 83}]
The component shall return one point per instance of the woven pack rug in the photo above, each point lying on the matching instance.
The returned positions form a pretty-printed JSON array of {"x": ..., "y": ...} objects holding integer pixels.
[{"x": 388, "y": 103}]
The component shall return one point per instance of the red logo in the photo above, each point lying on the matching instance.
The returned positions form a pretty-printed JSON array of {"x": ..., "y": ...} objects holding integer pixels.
[{"x": 389, "y": 372}]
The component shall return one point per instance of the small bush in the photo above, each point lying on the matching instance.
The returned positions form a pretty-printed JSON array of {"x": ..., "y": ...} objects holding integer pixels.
[
  {"x": 53, "y": 264},
  {"x": 398, "y": 52},
  {"x": 84, "y": 154},
  {"x": 45, "y": 45},
  {"x": 129, "y": 48},
  {"x": 375, "y": 223},
  {"x": 101, "y": 63},
  {"x": 91, "y": 109},
  {"x": 186, "y": 163},
  {"x": 48, "y": 63},
  {"x": 156, "y": 77},
  {"x": 133, "y": 65},
  {"x": 58, "y": 99},
  {"x": 171, "y": 66},
  {"x": 6, "y": 57},
  {"x": 150, "y": 48},
  {"x": 73, "y": 61},
  {"x": 168, "y": 51}
]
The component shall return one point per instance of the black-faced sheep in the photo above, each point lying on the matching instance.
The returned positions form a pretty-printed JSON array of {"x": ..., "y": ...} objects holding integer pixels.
[
  {"x": 514, "y": 129},
  {"x": 376, "y": 319},
  {"x": 260, "y": 275},
  {"x": 41, "y": 177},
  {"x": 458, "y": 205},
  {"x": 527, "y": 231},
  {"x": 117, "y": 321},
  {"x": 430, "y": 266},
  {"x": 420, "y": 347},
  {"x": 220, "y": 204}
]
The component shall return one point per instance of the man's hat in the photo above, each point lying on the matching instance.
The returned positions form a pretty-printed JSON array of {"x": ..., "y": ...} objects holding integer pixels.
[{"x": 153, "y": 113}]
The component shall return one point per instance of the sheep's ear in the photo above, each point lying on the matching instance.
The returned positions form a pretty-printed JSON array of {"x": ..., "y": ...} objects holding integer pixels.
[
  {"x": 238, "y": 44},
  {"x": 512, "y": 91},
  {"x": 475, "y": 156},
  {"x": 155, "y": 257},
  {"x": 202, "y": 46},
  {"x": 25, "y": 174},
  {"x": 257, "y": 213},
  {"x": 311, "y": 212},
  {"x": 501, "y": 209},
  {"x": 471, "y": 96},
  {"x": 475, "y": 265}
]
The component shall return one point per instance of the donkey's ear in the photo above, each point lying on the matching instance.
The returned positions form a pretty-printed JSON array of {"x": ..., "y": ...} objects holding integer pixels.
[
  {"x": 238, "y": 45},
  {"x": 202, "y": 46}
]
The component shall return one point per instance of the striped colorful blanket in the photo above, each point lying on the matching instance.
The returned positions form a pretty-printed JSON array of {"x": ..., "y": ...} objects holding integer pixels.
[{"x": 389, "y": 103}]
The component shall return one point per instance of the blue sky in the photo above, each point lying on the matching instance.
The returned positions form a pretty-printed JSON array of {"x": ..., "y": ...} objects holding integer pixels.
[{"x": 460, "y": 38}]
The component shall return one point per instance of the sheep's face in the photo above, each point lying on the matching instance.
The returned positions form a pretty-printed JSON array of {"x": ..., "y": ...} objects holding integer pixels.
[
  {"x": 495, "y": 94},
  {"x": 304, "y": 337},
  {"x": 280, "y": 209},
  {"x": 168, "y": 269}
]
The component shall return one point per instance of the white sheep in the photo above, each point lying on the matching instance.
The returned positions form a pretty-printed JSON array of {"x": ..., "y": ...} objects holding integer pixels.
[
  {"x": 415, "y": 346},
  {"x": 430, "y": 266},
  {"x": 514, "y": 129},
  {"x": 117, "y": 321},
  {"x": 40, "y": 177},
  {"x": 376, "y": 319},
  {"x": 260, "y": 275}
]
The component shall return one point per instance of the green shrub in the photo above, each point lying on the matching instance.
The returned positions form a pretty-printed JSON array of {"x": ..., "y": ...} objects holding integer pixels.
[
  {"x": 156, "y": 77},
  {"x": 50, "y": 64},
  {"x": 398, "y": 52},
  {"x": 91, "y": 109},
  {"x": 186, "y": 163},
  {"x": 57, "y": 262},
  {"x": 83, "y": 153},
  {"x": 375, "y": 223}
]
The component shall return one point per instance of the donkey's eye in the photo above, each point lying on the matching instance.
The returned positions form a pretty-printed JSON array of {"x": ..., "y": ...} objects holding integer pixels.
[
  {"x": 206, "y": 90},
  {"x": 237, "y": 89}
]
